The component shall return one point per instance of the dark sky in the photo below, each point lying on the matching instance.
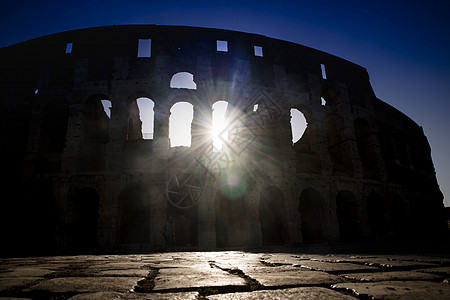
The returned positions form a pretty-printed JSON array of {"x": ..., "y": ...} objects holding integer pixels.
[{"x": 404, "y": 45}]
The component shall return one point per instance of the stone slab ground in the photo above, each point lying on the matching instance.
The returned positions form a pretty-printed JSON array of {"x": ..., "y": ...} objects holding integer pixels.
[{"x": 227, "y": 275}]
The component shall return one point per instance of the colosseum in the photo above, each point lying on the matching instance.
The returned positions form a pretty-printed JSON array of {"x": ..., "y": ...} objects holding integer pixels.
[{"x": 145, "y": 137}]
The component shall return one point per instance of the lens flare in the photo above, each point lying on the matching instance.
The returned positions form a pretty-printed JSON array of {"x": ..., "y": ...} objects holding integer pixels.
[{"x": 233, "y": 185}]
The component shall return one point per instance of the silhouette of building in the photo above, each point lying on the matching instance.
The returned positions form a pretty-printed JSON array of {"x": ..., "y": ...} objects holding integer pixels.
[{"x": 81, "y": 173}]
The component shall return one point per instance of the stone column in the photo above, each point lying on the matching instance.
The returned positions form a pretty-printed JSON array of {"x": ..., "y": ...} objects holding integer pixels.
[
  {"x": 206, "y": 216},
  {"x": 161, "y": 127},
  {"x": 252, "y": 224},
  {"x": 117, "y": 133},
  {"x": 201, "y": 130},
  {"x": 74, "y": 136}
]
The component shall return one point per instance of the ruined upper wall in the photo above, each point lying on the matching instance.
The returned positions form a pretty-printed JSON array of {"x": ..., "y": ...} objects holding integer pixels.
[
  {"x": 43, "y": 61},
  {"x": 120, "y": 41},
  {"x": 111, "y": 53},
  {"x": 182, "y": 46}
]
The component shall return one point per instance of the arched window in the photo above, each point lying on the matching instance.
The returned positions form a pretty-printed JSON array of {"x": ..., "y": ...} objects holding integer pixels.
[
  {"x": 271, "y": 216},
  {"x": 376, "y": 216},
  {"x": 135, "y": 216},
  {"x": 367, "y": 148},
  {"x": 96, "y": 119},
  {"x": 84, "y": 231},
  {"x": 146, "y": 115},
  {"x": 312, "y": 215},
  {"x": 107, "y": 107},
  {"x": 183, "y": 80},
  {"x": 399, "y": 218},
  {"x": 54, "y": 126},
  {"x": 229, "y": 224},
  {"x": 336, "y": 144},
  {"x": 348, "y": 216},
  {"x": 219, "y": 131},
  {"x": 298, "y": 124},
  {"x": 181, "y": 116},
  {"x": 140, "y": 119}
]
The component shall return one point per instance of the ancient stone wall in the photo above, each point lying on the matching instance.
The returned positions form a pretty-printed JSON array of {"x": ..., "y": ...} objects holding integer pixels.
[{"x": 85, "y": 176}]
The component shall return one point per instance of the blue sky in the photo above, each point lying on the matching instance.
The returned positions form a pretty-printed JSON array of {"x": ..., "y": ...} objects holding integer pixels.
[{"x": 404, "y": 45}]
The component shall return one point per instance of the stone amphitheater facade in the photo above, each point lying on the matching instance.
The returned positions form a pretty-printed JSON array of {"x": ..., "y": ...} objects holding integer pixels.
[{"x": 80, "y": 178}]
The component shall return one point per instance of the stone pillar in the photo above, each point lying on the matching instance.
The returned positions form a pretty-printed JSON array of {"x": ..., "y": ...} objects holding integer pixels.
[
  {"x": 252, "y": 224},
  {"x": 117, "y": 133},
  {"x": 294, "y": 225},
  {"x": 206, "y": 216},
  {"x": 161, "y": 127},
  {"x": 201, "y": 130},
  {"x": 158, "y": 215},
  {"x": 74, "y": 136}
]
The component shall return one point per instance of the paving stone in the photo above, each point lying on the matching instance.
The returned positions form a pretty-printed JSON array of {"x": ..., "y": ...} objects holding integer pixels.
[
  {"x": 15, "y": 282},
  {"x": 290, "y": 259},
  {"x": 334, "y": 267},
  {"x": 174, "y": 264},
  {"x": 343, "y": 258},
  {"x": 237, "y": 264},
  {"x": 388, "y": 263},
  {"x": 204, "y": 276},
  {"x": 282, "y": 259},
  {"x": 398, "y": 290},
  {"x": 118, "y": 266},
  {"x": 440, "y": 260},
  {"x": 27, "y": 271},
  {"x": 85, "y": 284},
  {"x": 291, "y": 293},
  {"x": 149, "y": 296},
  {"x": 393, "y": 275},
  {"x": 126, "y": 273},
  {"x": 290, "y": 276},
  {"x": 113, "y": 276},
  {"x": 439, "y": 271}
]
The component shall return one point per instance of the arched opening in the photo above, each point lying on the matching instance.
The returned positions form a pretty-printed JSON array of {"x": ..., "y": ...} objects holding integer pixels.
[
  {"x": 96, "y": 120},
  {"x": 107, "y": 107},
  {"x": 229, "y": 220},
  {"x": 311, "y": 209},
  {"x": 271, "y": 216},
  {"x": 183, "y": 191},
  {"x": 298, "y": 124},
  {"x": 184, "y": 227},
  {"x": 84, "y": 231},
  {"x": 348, "y": 216},
  {"x": 399, "y": 218},
  {"x": 303, "y": 138},
  {"x": 134, "y": 216},
  {"x": 427, "y": 218},
  {"x": 336, "y": 140},
  {"x": 140, "y": 119},
  {"x": 376, "y": 216},
  {"x": 146, "y": 115},
  {"x": 366, "y": 148},
  {"x": 183, "y": 232},
  {"x": 54, "y": 127},
  {"x": 38, "y": 218},
  {"x": 137, "y": 151},
  {"x": 95, "y": 135},
  {"x": 180, "y": 120},
  {"x": 219, "y": 126},
  {"x": 183, "y": 80}
]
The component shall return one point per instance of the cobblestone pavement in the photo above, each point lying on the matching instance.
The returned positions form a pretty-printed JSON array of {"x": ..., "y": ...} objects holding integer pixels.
[{"x": 227, "y": 275}]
